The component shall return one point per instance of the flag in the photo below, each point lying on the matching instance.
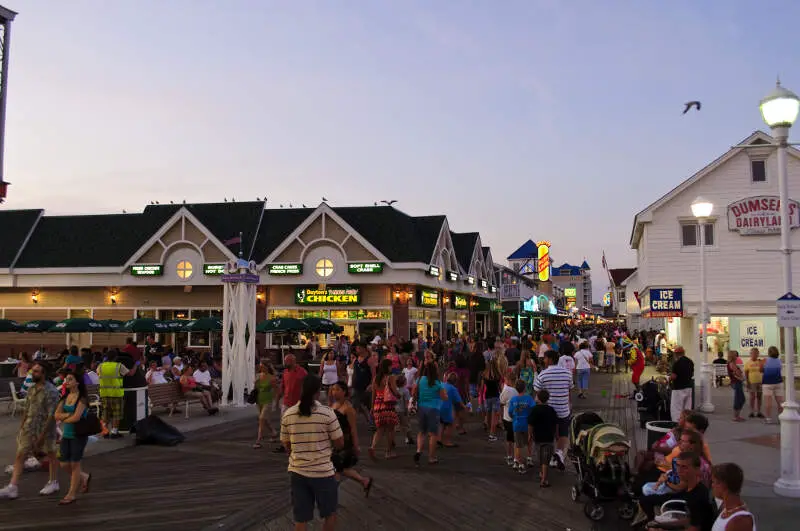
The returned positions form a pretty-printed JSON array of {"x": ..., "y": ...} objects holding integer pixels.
[
  {"x": 605, "y": 264},
  {"x": 233, "y": 241}
]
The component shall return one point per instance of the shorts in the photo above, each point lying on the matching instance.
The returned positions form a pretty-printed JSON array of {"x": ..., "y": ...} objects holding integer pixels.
[
  {"x": 428, "y": 418},
  {"x": 111, "y": 406},
  {"x": 771, "y": 390},
  {"x": 563, "y": 426},
  {"x": 71, "y": 450},
  {"x": 545, "y": 452},
  {"x": 344, "y": 459},
  {"x": 492, "y": 405},
  {"x": 509, "y": 427},
  {"x": 520, "y": 439},
  {"x": 755, "y": 388},
  {"x": 307, "y": 492},
  {"x": 444, "y": 422},
  {"x": 26, "y": 442}
]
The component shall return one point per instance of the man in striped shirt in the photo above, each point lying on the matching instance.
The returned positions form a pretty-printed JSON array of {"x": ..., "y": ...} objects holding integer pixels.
[
  {"x": 309, "y": 430},
  {"x": 558, "y": 381}
]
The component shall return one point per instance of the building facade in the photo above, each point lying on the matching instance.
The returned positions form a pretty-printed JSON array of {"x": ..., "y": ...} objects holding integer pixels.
[
  {"x": 576, "y": 281},
  {"x": 373, "y": 270},
  {"x": 743, "y": 271}
]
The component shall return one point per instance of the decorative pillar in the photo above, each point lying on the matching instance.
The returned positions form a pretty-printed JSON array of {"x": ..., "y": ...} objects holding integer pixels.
[
  {"x": 400, "y": 313},
  {"x": 471, "y": 323},
  {"x": 239, "y": 331}
]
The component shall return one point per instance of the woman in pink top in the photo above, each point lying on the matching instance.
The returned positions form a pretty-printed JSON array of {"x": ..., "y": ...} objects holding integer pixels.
[{"x": 191, "y": 390}]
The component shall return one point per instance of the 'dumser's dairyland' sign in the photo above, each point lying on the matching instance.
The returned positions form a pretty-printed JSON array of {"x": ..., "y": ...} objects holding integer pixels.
[{"x": 760, "y": 215}]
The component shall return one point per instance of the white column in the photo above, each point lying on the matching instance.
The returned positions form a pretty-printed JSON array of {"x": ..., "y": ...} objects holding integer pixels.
[
  {"x": 239, "y": 332},
  {"x": 705, "y": 368}
]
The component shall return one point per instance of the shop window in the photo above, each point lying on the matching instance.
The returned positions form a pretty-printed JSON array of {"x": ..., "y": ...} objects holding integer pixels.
[
  {"x": 690, "y": 234},
  {"x": 324, "y": 267},
  {"x": 758, "y": 171},
  {"x": 184, "y": 270}
]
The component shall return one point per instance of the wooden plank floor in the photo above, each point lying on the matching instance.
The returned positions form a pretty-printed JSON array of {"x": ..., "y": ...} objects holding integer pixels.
[{"x": 216, "y": 481}]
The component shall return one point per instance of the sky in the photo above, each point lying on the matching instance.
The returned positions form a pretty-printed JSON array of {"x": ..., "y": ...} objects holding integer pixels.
[{"x": 518, "y": 119}]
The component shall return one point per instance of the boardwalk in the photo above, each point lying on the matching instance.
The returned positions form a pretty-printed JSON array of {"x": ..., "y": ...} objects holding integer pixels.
[{"x": 216, "y": 481}]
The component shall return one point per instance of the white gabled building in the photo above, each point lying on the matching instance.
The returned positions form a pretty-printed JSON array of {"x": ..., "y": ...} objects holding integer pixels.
[{"x": 743, "y": 279}]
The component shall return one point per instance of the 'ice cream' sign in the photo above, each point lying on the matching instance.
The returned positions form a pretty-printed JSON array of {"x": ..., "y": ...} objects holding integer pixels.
[{"x": 665, "y": 302}]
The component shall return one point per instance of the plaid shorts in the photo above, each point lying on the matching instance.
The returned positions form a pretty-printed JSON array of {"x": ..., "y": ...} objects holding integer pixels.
[{"x": 112, "y": 408}]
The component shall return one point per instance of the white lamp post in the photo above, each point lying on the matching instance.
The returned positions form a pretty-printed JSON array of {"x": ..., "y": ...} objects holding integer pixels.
[
  {"x": 701, "y": 209},
  {"x": 779, "y": 110}
]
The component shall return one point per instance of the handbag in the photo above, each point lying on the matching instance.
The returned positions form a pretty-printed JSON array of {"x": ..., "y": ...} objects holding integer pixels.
[
  {"x": 252, "y": 397},
  {"x": 88, "y": 425},
  {"x": 388, "y": 396}
]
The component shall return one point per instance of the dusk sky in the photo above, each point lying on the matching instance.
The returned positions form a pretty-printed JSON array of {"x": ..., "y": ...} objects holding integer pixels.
[{"x": 542, "y": 119}]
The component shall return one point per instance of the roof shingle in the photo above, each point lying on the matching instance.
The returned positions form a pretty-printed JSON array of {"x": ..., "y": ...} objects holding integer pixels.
[{"x": 15, "y": 225}]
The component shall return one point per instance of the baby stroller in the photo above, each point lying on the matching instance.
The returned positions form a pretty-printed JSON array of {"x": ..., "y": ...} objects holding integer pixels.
[
  {"x": 599, "y": 452},
  {"x": 654, "y": 401}
]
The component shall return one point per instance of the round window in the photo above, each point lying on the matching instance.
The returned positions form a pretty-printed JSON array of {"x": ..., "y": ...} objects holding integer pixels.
[
  {"x": 324, "y": 267},
  {"x": 184, "y": 269}
]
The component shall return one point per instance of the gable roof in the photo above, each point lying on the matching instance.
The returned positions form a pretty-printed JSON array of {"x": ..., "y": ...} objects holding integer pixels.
[
  {"x": 585, "y": 265},
  {"x": 526, "y": 250},
  {"x": 464, "y": 246},
  {"x": 620, "y": 275},
  {"x": 573, "y": 271},
  {"x": 15, "y": 229},
  {"x": 757, "y": 137}
]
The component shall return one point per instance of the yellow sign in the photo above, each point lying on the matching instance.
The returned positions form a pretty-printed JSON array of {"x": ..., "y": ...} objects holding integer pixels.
[
  {"x": 570, "y": 292},
  {"x": 543, "y": 260}
]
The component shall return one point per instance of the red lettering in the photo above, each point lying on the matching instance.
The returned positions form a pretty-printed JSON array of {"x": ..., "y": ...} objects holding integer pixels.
[
  {"x": 736, "y": 211},
  {"x": 753, "y": 205},
  {"x": 774, "y": 204},
  {"x": 739, "y": 223}
]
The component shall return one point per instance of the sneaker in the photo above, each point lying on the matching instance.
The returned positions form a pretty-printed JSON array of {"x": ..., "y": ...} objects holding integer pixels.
[
  {"x": 759, "y": 415},
  {"x": 559, "y": 461},
  {"x": 9, "y": 492},
  {"x": 50, "y": 488},
  {"x": 31, "y": 463},
  {"x": 9, "y": 469},
  {"x": 514, "y": 466},
  {"x": 529, "y": 462},
  {"x": 521, "y": 469},
  {"x": 509, "y": 460},
  {"x": 409, "y": 441},
  {"x": 553, "y": 462},
  {"x": 492, "y": 438}
]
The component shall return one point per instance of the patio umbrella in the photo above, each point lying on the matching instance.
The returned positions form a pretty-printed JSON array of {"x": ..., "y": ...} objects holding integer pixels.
[
  {"x": 321, "y": 325},
  {"x": 40, "y": 325},
  {"x": 146, "y": 325},
  {"x": 280, "y": 325},
  {"x": 112, "y": 325},
  {"x": 176, "y": 325},
  {"x": 77, "y": 325},
  {"x": 204, "y": 324},
  {"x": 7, "y": 325}
]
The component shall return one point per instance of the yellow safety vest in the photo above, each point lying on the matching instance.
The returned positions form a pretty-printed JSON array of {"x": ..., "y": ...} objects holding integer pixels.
[{"x": 110, "y": 379}]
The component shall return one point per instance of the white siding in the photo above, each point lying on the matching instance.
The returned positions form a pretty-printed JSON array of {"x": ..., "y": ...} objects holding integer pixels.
[{"x": 740, "y": 280}]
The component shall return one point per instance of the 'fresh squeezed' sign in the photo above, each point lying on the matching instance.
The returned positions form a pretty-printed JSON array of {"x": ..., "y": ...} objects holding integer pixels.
[
  {"x": 751, "y": 335},
  {"x": 666, "y": 302},
  {"x": 760, "y": 215}
]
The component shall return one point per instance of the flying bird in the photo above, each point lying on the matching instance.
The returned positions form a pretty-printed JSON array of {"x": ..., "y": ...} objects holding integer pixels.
[
  {"x": 690, "y": 104},
  {"x": 389, "y": 203}
]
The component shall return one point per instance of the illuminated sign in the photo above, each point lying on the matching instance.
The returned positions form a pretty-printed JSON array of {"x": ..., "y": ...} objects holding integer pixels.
[
  {"x": 570, "y": 292},
  {"x": 543, "y": 260},
  {"x": 213, "y": 269},
  {"x": 484, "y": 284},
  {"x": 452, "y": 276},
  {"x": 495, "y": 306},
  {"x": 142, "y": 270},
  {"x": 311, "y": 296},
  {"x": 428, "y": 297},
  {"x": 607, "y": 299},
  {"x": 434, "y": 271},
  {"x": 357, "y": 268},
  {"x": 493, "y": 289},
  {"x": 760, "y": 215},
  {"x": 663, "y": 302},
  {"x": 285, "y": 269},
  {"x": 459, "y": 302},
  {"x": 470, "y": 279}
]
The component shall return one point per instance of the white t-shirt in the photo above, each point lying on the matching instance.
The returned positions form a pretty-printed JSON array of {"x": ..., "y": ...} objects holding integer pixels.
[
  {"x": 411, "y": 375},
  {"x": 506, "y": 395},
  {"x": 583, "y": 359},
  {"x": 567, "y": 362},
  {"x": 92, "y": 377},
  {"x": 158, "y": 377},
  {"x": 543, "y": 348},
  {"x": 202, "y": 377}
]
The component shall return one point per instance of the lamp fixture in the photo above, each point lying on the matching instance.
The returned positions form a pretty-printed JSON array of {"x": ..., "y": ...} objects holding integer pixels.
[
  {"x": 397, "y": 295},
  {"x": 35, "y": 296},
  {"x": 113, "y": 295},
  {"x": 260, "y": 297}
]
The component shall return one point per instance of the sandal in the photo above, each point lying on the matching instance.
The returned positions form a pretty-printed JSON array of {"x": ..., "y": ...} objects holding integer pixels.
[
  {"x": 85, "y": 486},
  {"x": 257, "y": 446},
  {"x": 544, "y": 484},
  {"x": 367, "y": 488},
  {"x": 66, "y": 501},
  {"x": 434, "y": 461}
]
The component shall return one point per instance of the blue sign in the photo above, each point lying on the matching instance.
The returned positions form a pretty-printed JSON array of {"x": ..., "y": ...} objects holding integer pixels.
[{"x": 666, "y": 302}]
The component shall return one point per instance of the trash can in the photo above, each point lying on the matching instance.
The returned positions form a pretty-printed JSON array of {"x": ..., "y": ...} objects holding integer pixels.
[
  {"x": 656, "y": 429},
  {"x": 134, "y": 408}
]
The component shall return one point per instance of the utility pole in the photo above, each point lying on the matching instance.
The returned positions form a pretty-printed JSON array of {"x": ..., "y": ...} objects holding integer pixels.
[{"x": 6, "y": 16}]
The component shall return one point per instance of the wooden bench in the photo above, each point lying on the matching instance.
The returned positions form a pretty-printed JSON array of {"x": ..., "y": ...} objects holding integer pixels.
[{"x": 168, "y": 395}]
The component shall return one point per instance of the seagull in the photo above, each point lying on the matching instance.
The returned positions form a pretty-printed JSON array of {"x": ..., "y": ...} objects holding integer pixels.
[
  {"x": 225, "y": 199},
  {"x": 184, "y": 201},
  {"x": 304, "y": 205},
  {"x": 258, "y": 199},
  {"x": 158, "y": 203},
  {"x": 324, "y": 199},
  {"x": 124, "y": 211},
  {"x": 290, "y": 205},
  {"x": 690, "y": 104},
  {"x": 233, "y": 200},
  {"x": 376, "y": 203},
  {"x": 389, "y": 203},
  {"x": 171, "y": 202},
  {"x": 281, "y": 205}
]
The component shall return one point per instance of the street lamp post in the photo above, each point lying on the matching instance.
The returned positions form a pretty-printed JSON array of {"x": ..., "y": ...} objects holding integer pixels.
[
  {"x": 701, "y": 209},
  {"x": 779, "y": 110}
]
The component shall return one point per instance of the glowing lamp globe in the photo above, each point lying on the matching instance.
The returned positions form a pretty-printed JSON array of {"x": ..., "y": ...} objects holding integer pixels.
[
  {"x": 780, "y": 107},
  {"x": 702, "y": 208}
]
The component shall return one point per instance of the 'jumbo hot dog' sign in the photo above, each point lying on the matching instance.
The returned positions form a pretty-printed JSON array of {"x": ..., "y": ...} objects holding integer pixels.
[{"x": 760, "y": 215}]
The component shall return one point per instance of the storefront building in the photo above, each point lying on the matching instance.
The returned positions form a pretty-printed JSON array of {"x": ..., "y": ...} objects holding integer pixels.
[
  {"x": 373, "y": 270},
  {"x": 743, "y": 277}
]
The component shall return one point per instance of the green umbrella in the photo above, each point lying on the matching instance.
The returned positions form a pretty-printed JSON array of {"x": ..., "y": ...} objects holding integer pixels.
[
  {"x": 204, "y": 324},
  {"x": 279, "y": 325},
  {"x": 7, "y": 325},
  {"x": 146, "y": 325},
  {"x": 40, "y": 325},
  {"x": 177, "y": 325},
  {"x": 112, "y": 325},
  {"x": 321, "y": 325},
  {"x": 77, "y": 325}
]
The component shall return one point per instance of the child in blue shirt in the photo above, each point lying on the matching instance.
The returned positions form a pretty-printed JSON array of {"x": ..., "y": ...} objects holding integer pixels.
[
  {"x": 450, "y": 408},
  {"x": 519, "y": 408}
]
